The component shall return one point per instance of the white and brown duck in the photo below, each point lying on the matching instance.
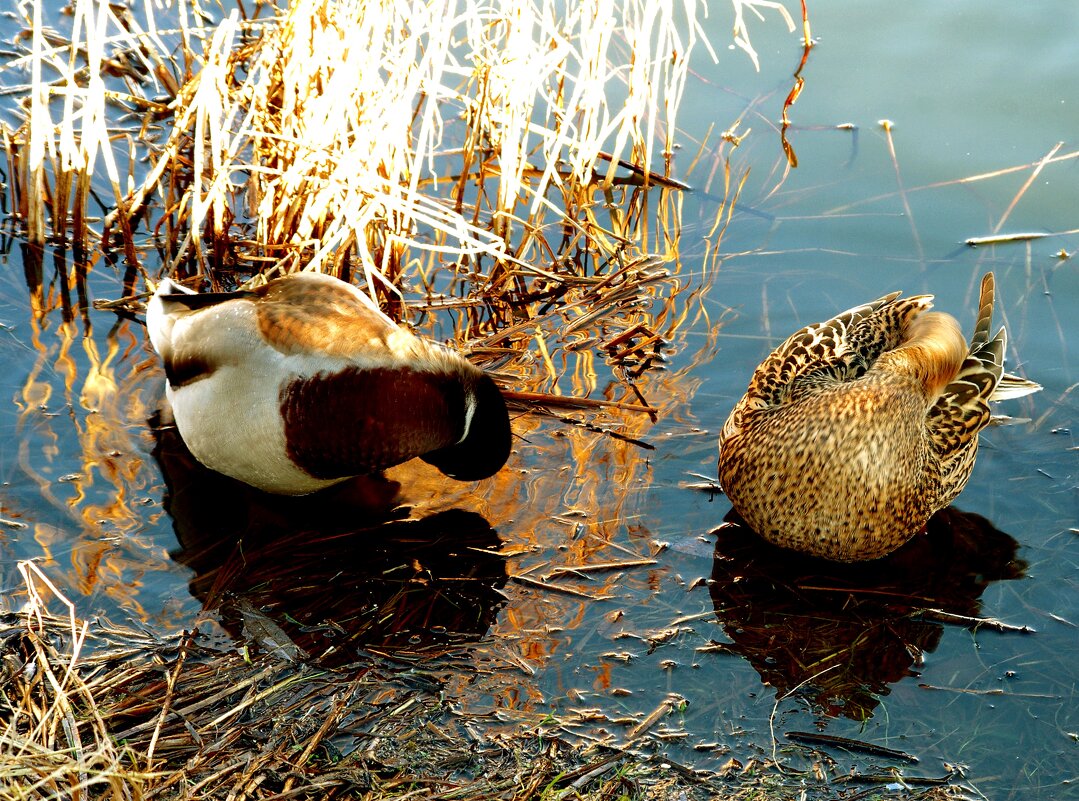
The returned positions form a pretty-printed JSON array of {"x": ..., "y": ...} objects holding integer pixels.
[{"x": 303, "y": 382}]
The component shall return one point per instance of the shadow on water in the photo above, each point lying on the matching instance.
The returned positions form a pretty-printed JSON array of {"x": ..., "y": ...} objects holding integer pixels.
[
  {"x": 841, "y": 634},
  {"x": 334, "y": 574}
]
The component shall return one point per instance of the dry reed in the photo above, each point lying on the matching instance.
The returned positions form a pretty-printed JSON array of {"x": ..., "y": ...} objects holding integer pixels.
[
  {"x": 508, "y": 162},
  {"x": 96, "y": 711}
]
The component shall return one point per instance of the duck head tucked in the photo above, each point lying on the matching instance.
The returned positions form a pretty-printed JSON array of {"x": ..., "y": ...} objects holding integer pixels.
[
  {"x": 856, "y": 430},
  {"x": 303, "y": 383}
]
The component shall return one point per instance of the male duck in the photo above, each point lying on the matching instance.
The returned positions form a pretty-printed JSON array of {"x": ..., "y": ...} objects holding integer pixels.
[
  {"x": 856, "y": 430},
  {"x": 303, "y": 383}
]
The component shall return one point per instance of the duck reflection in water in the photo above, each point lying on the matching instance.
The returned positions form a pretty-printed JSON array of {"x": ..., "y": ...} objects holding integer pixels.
[
  {"x": 331, "y": 575},
  {"x": 850, "y": 631}
]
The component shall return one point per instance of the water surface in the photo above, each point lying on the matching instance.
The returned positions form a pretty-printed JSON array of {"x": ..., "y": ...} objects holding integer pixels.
[{"x": 751, "y": 643}]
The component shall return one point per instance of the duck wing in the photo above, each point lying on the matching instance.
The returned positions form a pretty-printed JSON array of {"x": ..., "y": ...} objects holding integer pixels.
[
  {"x": 324, "y": 321},
  {"x": 312, "y": 313},
  {"x": 962, "y": 410},
  {"x": 839, "y": 349}
]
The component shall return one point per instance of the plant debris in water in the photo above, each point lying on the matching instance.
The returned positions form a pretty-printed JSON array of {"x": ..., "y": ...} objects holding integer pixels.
[
  {"x": 105, "y": 711},
  {"x": 509, "y": 168}
]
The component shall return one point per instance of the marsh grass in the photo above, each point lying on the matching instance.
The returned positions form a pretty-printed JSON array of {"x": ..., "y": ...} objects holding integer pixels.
[
  {"x": 95, "y": 710},
  {"x": 502, "y": 173},
  {"x": 53, "y": 743}
]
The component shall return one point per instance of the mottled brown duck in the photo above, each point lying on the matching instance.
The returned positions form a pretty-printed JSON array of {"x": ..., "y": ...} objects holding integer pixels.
[
  {"x": 854, "y": 431},
  {"x": 303, "y": 383}
]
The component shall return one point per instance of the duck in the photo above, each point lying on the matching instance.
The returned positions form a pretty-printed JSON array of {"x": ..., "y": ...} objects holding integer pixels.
[
  {"x": 303, "y": 382},
  {"x": 855, "y": 431}
]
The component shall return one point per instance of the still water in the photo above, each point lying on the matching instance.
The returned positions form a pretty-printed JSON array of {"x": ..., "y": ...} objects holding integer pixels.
[{"x": 984, "y": 117}]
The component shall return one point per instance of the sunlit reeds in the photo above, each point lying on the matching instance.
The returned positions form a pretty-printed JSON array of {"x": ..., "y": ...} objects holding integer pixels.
[{"x": 506, "y": 167}]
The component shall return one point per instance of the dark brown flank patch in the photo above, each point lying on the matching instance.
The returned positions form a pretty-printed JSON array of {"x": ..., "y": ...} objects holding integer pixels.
[
  {"x": 185, "y": 370},
  {"x": 363, "y": 421}
]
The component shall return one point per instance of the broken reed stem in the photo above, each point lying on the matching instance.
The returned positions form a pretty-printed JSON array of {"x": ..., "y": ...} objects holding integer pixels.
[
  {"x": 1026, "y": 185},
  {"x": 970, "y": 179},
  {"x": 886, "y": 125},
  {"x": 668, "y": 705},
  {"x": 566, "y": 402}
]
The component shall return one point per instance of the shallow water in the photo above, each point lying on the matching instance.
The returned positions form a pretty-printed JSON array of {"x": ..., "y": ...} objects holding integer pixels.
[{"x": 751, "y": 642}]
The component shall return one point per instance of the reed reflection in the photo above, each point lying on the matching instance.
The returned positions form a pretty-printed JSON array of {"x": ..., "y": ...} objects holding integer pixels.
[
  {"x": 847, "y": 631},
  {"x": 75, "y": 475},
  {"x": 332, "y": 574}
]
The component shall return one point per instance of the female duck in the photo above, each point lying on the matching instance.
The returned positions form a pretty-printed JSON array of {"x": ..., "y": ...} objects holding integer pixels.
[
  {"x": 855, "y": 431},
  {"x": 303, "y": 383}
]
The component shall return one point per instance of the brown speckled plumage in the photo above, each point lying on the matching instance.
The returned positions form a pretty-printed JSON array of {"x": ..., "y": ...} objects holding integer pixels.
[{"x": 854, "y": 431}]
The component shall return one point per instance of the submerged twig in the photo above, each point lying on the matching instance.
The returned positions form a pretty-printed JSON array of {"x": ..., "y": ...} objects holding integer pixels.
[
  {"x": 669, "y": 704},
  {"x": 972, "y": 622},
  {"x": 816, "y": 738},
  {"x": 999, "y": 239},
  {"x": 569, "y": 402},
  {"x": 598, "y": 568},
  {"x": 562, "y": 588}
]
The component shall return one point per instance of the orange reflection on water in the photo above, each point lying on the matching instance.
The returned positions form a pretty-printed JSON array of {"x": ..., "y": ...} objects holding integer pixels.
[
  {"x": 602, "y": 681},
  {"x": 82, "y": 406},
  {"x": 569, "y": 498}
]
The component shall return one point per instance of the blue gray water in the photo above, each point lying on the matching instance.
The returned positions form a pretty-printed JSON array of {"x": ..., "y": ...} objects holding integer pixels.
[{"x": 977, "y": 95}]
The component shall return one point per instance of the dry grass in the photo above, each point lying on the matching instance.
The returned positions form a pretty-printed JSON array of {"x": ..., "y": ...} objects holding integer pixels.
[
  {"x": 507, "y": 165},
  {"x": 95, "y": 711},
  {"x": 54, "y": 744}
]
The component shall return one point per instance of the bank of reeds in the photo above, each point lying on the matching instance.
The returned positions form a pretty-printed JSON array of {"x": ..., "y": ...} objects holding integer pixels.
[
  {"x": 509, "y": 164},
  {"x": 376, "y": 128},
  {"x": 100, "y": 711}
]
